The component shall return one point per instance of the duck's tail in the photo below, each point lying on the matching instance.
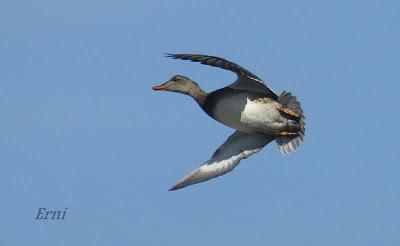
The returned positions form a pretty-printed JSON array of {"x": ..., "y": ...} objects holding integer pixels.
[{"x": 287, "y": 144}]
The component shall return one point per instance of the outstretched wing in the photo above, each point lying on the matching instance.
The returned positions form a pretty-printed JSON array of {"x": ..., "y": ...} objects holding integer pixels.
[
  {"x": 238, "y": 146},
  {"x": 246, "y": 80}
]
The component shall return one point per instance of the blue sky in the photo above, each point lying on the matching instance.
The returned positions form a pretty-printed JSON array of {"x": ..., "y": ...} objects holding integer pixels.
[{"x": 81, "y": 128}]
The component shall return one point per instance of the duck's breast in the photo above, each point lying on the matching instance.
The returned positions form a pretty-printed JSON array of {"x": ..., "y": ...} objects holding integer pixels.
[{"x": 228, "y": 110}]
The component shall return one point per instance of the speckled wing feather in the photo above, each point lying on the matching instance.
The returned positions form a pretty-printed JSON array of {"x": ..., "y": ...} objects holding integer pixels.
[
  {"x": 237, "y": 147},
  {"x": 246, "y": 80}
]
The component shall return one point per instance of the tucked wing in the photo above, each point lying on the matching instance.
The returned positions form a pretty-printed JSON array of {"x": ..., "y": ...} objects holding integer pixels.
[
  {"x": 246, "y": 80},
  {"x": 237, "y": 147}
]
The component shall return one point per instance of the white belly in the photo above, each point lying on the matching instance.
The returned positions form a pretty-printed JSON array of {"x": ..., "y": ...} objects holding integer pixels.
[{"x": 247, "y": 115}]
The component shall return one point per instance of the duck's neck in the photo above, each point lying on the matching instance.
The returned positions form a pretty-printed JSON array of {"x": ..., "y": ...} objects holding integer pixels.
[{"x": 198, "y": 95}]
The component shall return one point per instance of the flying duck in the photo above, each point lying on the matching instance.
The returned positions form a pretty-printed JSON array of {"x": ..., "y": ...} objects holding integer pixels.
[{"x": 248, "y": 105}]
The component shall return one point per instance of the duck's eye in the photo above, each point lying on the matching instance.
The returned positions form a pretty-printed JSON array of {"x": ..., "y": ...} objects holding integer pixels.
[{"x": 175, "y": 78}]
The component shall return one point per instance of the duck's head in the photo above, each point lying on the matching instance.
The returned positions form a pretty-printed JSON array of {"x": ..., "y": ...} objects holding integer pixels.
[
  {"x": 184, "y": 85},
  {"x": 180, "y": 84}
]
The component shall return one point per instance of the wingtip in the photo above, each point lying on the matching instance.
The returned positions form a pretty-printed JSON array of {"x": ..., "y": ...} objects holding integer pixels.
[
  {"x": 176, "y": 187},
  {"x": 169, "y": 55}
]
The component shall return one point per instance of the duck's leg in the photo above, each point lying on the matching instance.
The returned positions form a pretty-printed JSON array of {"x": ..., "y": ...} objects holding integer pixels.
[
  {"x": 287, "y": 133},
  {"x": 288, "y": 111}
]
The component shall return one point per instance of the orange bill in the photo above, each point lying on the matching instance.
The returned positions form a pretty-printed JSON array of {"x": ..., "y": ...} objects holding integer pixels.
[{"x": 162, "y": 87}]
